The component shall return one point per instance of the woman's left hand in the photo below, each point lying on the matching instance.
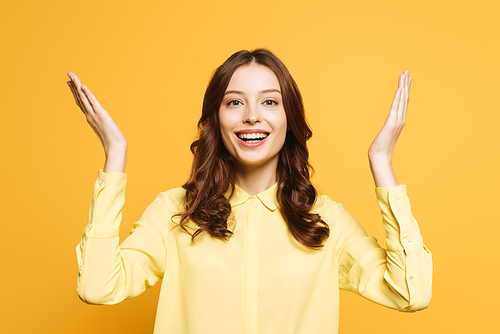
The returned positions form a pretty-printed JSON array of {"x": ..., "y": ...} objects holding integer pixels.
[{"x": 383, "y": 145}]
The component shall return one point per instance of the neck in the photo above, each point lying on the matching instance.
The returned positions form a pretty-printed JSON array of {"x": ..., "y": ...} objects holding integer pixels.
[{"x": 255, "y": 179}]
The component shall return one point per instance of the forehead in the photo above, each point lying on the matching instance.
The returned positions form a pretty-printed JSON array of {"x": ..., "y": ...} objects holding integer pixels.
[{"x": 253, "y": 77}]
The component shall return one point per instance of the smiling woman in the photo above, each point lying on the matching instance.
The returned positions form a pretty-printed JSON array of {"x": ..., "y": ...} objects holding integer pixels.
[
  {"x": 253, "y": 94},
  {"x": 251, "y": 115},
  {"x": 258, "y": 250}
]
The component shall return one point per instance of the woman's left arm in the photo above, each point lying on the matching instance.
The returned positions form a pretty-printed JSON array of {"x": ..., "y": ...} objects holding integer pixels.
[{"x": 400, "y": 276}]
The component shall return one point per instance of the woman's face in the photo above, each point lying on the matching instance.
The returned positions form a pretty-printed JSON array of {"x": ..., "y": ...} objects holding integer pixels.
[{"x": 251, "y": 116}]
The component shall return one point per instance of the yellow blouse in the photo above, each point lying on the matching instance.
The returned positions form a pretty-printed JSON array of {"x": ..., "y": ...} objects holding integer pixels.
[{"x": 261, "y": 280}]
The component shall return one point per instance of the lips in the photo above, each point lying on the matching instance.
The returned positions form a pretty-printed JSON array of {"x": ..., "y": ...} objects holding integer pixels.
[{"x": 252, "y": 137}]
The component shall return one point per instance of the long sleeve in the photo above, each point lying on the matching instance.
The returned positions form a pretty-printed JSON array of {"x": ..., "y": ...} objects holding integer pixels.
[
  {"x": 107, "y": 271},
  {"x": 398, "y": 277}
]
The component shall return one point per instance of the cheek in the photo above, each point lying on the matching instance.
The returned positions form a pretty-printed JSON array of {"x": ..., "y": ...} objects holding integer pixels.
[
  {"x": 280, "y": 123},
  {"x": 225, "y": 128}
]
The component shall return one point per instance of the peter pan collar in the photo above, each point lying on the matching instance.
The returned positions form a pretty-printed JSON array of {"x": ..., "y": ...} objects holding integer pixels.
[{"x": 266, "y": 197}]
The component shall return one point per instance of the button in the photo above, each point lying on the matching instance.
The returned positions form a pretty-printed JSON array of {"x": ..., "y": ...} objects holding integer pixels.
[
  {"x": 101, "y": 183},
  {"x": 410, "y": 277},
  {"x": 81, "y": 267},
  {"x": 406, "y": 240},
  {"x": 394, "y": 199},
  {"x": 252, "y": 199}
]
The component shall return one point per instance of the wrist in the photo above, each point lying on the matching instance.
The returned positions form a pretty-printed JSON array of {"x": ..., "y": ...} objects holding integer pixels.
[
  {"x": 116, "y": 151},
  {"x": 380, "y": 159},
  {"x": 116, "y": 160},
  {"x": 383, "y": 173}
]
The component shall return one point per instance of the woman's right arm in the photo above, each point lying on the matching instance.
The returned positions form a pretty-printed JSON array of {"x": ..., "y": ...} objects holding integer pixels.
[{"x": 107, "y": 271}]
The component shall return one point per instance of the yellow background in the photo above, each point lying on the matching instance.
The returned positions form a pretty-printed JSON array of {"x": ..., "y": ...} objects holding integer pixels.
[{"x": 148, "y": 63}]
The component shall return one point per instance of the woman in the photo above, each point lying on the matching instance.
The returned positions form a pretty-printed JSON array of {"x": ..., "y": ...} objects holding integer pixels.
[{"x": 246, "y": 245}]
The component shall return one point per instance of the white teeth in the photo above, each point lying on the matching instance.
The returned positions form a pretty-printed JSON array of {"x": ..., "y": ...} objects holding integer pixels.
[{"x": 252, "y": 135}]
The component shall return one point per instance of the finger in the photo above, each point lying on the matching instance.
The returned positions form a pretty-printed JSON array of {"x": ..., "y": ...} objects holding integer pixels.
[
  {"x": 407, "y": 82},
  {"x": 92, "y": 99},
  {"x": 72, "y": 92},
  {"x": 395, "y": 104},
  {"x": 85, "y": 101},
  {"x": 409, "y": 86},
  {"x": 72, "y": 77},
  {"x": 407, "y": 100},
  {"x": 83, "y": 98},
  {"x": 81, "y": 94},
  {"x": 401, "y": 106},
  {"x": 405, "y": 106},
  {"x": 397, "y": 98},
  {"x": 75, "y": 95},
  {"x": 75, "y": 86},
  {"x": 75, "y": 79},
  {"x": 79, "y": 99}
]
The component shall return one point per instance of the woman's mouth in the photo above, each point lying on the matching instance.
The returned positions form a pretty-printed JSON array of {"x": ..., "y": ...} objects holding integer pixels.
[{"x": 251, "y": 138}]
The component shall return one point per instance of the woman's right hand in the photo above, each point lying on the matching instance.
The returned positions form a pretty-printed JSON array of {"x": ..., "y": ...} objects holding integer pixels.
[{"x": 109, "y": 133}]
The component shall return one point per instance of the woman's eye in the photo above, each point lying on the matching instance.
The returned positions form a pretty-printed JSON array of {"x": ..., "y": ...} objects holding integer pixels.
[
  {"x": 233, "y": 103},
  {"x": 270, "y": 102}
]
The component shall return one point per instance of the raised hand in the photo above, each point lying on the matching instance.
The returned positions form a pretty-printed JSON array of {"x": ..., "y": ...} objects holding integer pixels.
[
  {"x": 383, "y": 145},
  {"x": 380, "y": 152},
  {"x": 112, "y": 139},
  {"x": 98, "y": 118}
]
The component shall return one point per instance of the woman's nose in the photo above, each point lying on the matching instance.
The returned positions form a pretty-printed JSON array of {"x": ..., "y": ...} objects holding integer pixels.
[{"x": 252, "y": 115}]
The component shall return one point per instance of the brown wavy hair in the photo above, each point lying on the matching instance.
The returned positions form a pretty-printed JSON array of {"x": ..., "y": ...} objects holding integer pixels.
[{"x": 213, "y": 169}]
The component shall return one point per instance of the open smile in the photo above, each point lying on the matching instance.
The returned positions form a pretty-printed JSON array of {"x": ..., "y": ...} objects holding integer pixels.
[{"x": 252, "y": 139}]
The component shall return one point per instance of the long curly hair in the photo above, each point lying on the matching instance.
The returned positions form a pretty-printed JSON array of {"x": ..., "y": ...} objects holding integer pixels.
[{"x": 213, "y": 169}]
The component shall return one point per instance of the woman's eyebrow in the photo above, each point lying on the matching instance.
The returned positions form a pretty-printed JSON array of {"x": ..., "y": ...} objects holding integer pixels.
[{"x": 272, "y": 90}]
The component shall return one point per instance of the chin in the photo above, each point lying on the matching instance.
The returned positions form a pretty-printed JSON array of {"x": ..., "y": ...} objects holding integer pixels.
[{"x": 255, "y": 161}]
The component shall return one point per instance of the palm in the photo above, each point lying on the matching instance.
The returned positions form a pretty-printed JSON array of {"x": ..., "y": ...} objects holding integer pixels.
[
  {"x": 98, "y": 118},
  {"x": 386, "y": 139}
]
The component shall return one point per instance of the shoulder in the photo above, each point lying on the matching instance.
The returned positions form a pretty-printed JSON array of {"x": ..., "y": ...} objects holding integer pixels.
[
  {"x": 326, "y": 207},
  {"x": 174, "y": 197}
]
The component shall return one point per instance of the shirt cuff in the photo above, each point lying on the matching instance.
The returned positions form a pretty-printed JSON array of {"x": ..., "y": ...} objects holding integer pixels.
[
  {"x": 400, "y": 225},
  {"x": 105, "y": 212}
]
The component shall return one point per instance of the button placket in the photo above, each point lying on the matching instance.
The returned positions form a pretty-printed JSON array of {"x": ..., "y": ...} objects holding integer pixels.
[{"x": 250, "y": 267}]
